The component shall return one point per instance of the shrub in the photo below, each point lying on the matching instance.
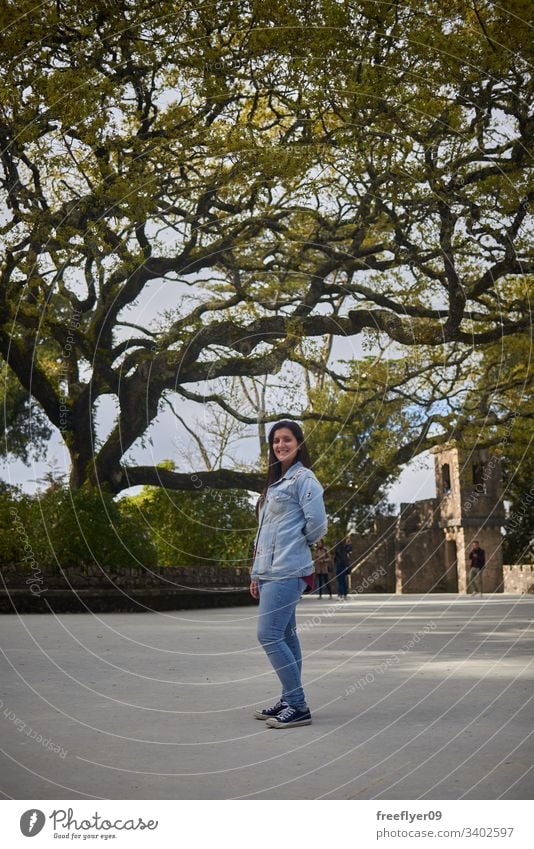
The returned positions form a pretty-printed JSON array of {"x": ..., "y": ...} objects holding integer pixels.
[{"x": 65, "y": 528}]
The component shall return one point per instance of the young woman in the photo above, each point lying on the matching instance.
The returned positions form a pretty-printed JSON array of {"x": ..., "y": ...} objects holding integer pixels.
[{"x": 291, "y": 518}]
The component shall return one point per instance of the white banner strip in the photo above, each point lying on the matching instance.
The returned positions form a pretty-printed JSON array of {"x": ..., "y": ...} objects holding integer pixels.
[{"x": 267, "y": 824}]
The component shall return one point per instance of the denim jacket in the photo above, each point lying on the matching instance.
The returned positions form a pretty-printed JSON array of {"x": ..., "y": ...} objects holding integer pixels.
[{"x": 291, "y": 519}]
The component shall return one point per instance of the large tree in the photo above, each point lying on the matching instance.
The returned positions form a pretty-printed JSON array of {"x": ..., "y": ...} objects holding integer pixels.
[{"x": 320, "y": 169}]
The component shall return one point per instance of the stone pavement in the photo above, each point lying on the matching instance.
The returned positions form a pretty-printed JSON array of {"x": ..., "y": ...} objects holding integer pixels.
[{"x": 413, "y": 697}]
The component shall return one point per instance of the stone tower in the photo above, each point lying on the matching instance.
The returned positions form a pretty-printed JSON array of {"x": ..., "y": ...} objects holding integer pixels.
[{"x": 469, "y": 495}]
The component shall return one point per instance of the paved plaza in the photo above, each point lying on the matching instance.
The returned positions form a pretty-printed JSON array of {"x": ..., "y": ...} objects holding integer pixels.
[{"x": 413, "y": 697}]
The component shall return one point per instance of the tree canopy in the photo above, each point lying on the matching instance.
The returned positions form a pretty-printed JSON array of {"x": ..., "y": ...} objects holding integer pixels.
[
  {"x": 291, "y": 172},
  {"x": 195, "y": 528}
]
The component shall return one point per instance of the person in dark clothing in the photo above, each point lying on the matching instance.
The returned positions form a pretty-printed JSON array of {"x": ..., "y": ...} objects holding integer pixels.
[
  {"x": 477, "y": 560},
  {"x": 342, "y": 564},
  {"x": 323, "y": 563}
]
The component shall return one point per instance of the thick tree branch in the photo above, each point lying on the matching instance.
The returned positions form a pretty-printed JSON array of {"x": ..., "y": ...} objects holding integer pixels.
[{"x": 188, "y": 482}]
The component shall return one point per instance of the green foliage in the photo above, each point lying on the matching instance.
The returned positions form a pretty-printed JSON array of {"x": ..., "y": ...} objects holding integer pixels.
[
  {"x": 518, "y": 546},
  {"x": 195, "y": 528},
  {"x": 513, "y": 394},
  {"x": 65, "y": 528},
  {"x": 356, "y": 454},
  {"x": 26, "y": 428},
  {"x": 13, "y": 520},
  {"x": 86, "y": 527},
  {"x": 502, "y": 392}
]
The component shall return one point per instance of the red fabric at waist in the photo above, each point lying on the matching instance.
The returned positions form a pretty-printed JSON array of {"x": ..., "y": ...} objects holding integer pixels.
[{"x": 310, "y": 580}]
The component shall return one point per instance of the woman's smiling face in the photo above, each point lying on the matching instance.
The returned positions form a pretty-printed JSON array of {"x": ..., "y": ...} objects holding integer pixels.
[{"x": 285, "y": 446}]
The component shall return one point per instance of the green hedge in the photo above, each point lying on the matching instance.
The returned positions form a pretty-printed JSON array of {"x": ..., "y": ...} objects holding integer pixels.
[{"x": 65, "y": 528}]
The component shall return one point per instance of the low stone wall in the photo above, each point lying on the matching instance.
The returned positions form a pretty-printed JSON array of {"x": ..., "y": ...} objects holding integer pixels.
[
  {"x": 91, "y": 589},
  {"x": 519, "y": 578}
]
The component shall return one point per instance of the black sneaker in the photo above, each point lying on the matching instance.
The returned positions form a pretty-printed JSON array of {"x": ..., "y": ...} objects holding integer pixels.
[
  {"x": 290, "y": 717},
  {"x": 268, "y": 713}
]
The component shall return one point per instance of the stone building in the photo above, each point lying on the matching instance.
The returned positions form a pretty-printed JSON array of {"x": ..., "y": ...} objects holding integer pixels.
[{"x": 425, "y": 549}]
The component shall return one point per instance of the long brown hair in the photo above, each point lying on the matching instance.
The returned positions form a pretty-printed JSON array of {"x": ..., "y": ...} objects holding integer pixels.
[{"x": 274, "y": 472}]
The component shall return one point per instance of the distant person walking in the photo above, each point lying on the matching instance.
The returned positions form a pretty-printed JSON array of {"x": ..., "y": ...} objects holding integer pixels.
[
  {"x": 342, "y": 564},
  {"x": 323, "y": 569},
  {"x": 291, "y": 518},
  {"x": 477, "y": 559}
]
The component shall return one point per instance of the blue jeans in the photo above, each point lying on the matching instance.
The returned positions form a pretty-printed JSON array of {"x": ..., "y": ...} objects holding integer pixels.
[
  {"x": 342, "y": 583},
  {"x": 277, "y": 633}
]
